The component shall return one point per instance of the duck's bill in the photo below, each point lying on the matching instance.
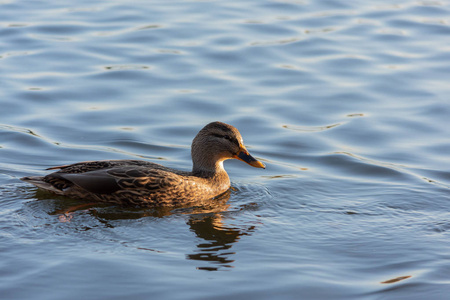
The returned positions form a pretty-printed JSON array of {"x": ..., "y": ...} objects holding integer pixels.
[{"x": 246, "y": 157}]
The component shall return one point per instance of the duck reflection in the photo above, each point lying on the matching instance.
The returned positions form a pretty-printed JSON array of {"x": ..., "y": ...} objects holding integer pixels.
[
  {"x": 207, "y": 220},
  {"x": 217, "y": 240}
]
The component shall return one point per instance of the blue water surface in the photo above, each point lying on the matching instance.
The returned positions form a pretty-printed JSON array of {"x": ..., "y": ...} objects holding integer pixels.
[{"x": 347, "y": 103}]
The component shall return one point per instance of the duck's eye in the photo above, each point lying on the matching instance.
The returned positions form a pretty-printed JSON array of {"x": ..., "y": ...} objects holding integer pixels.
[{"x": 227, "y": 137}]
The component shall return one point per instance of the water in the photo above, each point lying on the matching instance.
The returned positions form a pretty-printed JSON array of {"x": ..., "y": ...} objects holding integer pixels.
[{"x": 346, "y": 102}]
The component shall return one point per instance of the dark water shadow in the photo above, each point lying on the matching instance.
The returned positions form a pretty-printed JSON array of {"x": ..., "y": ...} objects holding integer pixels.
[{"x": 207, "y": 220}]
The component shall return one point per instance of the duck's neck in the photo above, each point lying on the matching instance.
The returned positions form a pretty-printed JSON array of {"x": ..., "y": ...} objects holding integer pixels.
[
  {"x": 209, "y": 170},
  {"x": 214, "y": 176}
]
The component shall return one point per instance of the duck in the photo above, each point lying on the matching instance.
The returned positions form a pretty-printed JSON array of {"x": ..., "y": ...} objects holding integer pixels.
[{"x": 147, "y": 184}]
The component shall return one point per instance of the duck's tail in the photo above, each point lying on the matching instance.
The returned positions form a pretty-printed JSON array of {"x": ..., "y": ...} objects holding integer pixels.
[{"x": 40, "y": 183}]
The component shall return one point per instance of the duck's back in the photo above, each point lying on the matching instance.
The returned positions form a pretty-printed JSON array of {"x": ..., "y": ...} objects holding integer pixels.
[{"x": 125, "y": 182}]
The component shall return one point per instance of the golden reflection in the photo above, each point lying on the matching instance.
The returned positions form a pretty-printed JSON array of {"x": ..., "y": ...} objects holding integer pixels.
[
  {"x": 126, "y": 67},
  {"x": 397, "y": 279},
  {"x": 17, "y": 25},
  {"x": 300, "y": 2},
  {"x": 169, "y": 51},
  {"x": 276, "y": 42},
  {"x": 281, "y": 176},
  {"x": 311, "y": 128},
  {"x": 355, "y": 115}
]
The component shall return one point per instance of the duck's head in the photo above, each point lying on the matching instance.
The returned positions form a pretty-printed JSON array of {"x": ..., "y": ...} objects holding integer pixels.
[{"x": 217, "y": 142}]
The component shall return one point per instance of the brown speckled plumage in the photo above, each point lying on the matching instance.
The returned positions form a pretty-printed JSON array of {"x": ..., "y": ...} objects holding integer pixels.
[{"x": 142, "y": 183}]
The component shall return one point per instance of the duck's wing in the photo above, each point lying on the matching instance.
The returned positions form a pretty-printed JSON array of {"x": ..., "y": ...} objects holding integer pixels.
[
  {"x": 107, "y": 181},
  {"x": 88, "y": 166},
  {"x": 98, "y": 182}
]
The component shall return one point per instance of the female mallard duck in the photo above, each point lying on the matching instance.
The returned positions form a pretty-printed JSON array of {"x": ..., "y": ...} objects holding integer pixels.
[{"x": 142, "y": 183}]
